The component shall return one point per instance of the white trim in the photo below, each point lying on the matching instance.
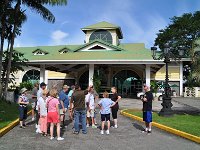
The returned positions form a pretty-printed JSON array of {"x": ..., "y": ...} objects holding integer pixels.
[
  {"x": 91, "y": 74},
  {"x": 37, "y": 54},
  {"x": 42, "y": 73},
  {"x": 95, "y": 62},
  {"x": 87, "y": 48},
  {"x": 181, "y": 79},
  {"x": 148, "y": 75}
]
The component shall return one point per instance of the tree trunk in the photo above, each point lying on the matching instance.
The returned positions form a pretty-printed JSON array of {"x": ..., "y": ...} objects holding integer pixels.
[
  {"x": 3, "y": 19},
  {"x": 1, "y": 57},
  {"x": 17, "y": 9}
]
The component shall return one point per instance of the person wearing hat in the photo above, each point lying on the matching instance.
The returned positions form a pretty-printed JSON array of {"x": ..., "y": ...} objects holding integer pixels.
[
  {"x": 64, "y": 103},
  {"x": 23, "y": 102},
  {"x": 39, "y": 94}
]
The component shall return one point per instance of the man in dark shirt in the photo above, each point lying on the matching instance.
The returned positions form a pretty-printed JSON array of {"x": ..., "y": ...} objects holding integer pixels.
[
  {"x": 78, "y": 101},
  {"x": 147, "y": 108}
]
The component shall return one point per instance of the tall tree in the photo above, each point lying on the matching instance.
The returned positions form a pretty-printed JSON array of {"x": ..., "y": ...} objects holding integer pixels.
[
  {"x": 183, "y": 31},
  {"x": 39, "y": 7},
  {"x": 5, "y": 5}
]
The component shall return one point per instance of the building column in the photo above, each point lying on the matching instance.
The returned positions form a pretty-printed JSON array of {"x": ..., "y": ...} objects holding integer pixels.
[
  {"x": 91, "y": 74},
  {"x": 43, "y": 74},
  {"x": 148, "y": 75},
  {"x": 109, "y": 76},
  {"x": 46, "y": 77},
  {"x": 181, "y": 78}
]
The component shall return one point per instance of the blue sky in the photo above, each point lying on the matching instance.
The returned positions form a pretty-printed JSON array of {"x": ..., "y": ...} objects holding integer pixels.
[{"x": 140, "y": 20}]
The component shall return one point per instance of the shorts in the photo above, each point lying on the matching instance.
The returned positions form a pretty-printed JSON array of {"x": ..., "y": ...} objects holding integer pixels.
[
  {"x": 105, "y": 117},
  {"x": 22, "y": 113},
  {"x": 147, "y": 116},
  {"x": 53, "y": 117},
  {"x": 114, "y": 113},
  {"x": 90, "y": 113}
]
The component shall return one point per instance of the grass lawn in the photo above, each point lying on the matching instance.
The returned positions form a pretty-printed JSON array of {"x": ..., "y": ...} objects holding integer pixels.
[
  {"x": 186, "y": 123},
  {"x": 8, "y": 113}
]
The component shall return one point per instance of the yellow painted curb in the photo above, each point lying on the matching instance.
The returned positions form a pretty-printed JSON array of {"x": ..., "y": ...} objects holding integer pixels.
[
  {"x": 6, "y": 129},
  {"x": 165, "y": 128}
]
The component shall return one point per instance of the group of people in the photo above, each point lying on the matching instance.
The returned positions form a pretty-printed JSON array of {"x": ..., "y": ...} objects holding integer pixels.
[{"x": 49, "y": 108}]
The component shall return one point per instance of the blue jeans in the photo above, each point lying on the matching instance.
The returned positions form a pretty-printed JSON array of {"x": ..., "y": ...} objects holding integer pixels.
[{"x": 80, "y": 117}]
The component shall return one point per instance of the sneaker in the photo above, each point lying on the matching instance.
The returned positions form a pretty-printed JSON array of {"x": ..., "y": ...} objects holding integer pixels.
[
  {"x": 94, "y": 126},
  {"x": 107, "y": 132},
  {"x": 22, "y": 127},
  {"x": 148, "y": 132},
  {"x": 60, "y": 138},
  {"x": 38, "y": 130},
  {"x": 88, "y": 125},
  {"x": 144, "y": 131},
  {"x": 36, "y": 126},
  {"x": 102, "y": 132},
  {"x": 51, "y": 138},
  {"x": 115, "y": 126},
  {"x": 33, "y": 119},
  {"x": 96, "y": 123},
  {"x": 75, "y": 132}
]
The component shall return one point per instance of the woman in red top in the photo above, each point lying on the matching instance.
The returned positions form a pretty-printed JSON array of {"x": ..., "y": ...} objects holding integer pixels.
[{"x": 53, "y": 116}]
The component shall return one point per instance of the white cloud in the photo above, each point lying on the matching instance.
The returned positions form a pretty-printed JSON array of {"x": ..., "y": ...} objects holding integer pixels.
[
  {"x": 64, "y": 22},
  {"x": 59, "y": 37},
  {"x": 134, "y": 30}
]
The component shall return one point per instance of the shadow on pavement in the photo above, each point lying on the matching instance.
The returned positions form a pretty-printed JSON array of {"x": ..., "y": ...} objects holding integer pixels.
[{"x": 138, "y": 126}]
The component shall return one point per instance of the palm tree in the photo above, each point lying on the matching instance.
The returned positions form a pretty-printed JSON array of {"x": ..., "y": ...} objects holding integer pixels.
[
  {"x": 39, "y": 7},
  {"x": 4, "y": 6}
]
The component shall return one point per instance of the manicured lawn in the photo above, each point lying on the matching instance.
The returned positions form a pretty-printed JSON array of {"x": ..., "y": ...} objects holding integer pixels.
[
  {"x": 8, "y": 113},
  {"x": 186, "y": 123}
]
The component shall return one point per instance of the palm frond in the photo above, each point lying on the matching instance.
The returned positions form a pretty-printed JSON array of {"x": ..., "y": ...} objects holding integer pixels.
[{"x": 40, "y": 9}]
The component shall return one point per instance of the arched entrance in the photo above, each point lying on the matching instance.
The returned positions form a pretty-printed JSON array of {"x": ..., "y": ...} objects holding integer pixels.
[
  {"x": 31, "y": 76},
  {"x": 84, "y": 80},
  {"x": 128, "y": 83}
]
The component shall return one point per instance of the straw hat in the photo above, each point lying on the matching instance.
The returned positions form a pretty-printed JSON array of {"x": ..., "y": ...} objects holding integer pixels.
[{"x": 23, "y": 90}]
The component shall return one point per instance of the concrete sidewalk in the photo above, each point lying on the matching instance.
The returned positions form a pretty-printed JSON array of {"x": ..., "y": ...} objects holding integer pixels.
[
  {"x": 180, "y": 105},
  {"x": 127, "y": 137}
]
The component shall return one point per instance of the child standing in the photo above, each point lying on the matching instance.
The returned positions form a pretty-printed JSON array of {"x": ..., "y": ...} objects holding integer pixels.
[
  {"x": 23, "y": 102},
  {"x": 42, "y": 110},
  {"x": 53, "y": 116},
  {"x": 105, "y": 105}
]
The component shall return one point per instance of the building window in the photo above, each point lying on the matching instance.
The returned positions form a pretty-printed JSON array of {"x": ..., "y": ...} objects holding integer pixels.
[
  {"x": 63, "y": 51},
  {"x": 31, "y": 76},
  {"x": 39, "y": 52},
  {"x": 103, "y": 35}
]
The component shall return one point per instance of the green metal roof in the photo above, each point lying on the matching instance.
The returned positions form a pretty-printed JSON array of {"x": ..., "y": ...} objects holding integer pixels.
[
  {"x": 104, "y": 25},
  {"x": 101, "y": 25},
  {"x": 101, "y": 42},
  {"x": 131, "y": 51}
]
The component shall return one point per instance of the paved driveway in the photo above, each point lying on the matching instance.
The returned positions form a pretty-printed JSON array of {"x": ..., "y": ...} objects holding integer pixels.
[{"x": 127, "y": 137}]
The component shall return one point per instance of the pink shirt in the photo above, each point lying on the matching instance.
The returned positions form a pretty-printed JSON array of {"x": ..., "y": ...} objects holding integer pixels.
[{"x": 51, "y": 104}]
